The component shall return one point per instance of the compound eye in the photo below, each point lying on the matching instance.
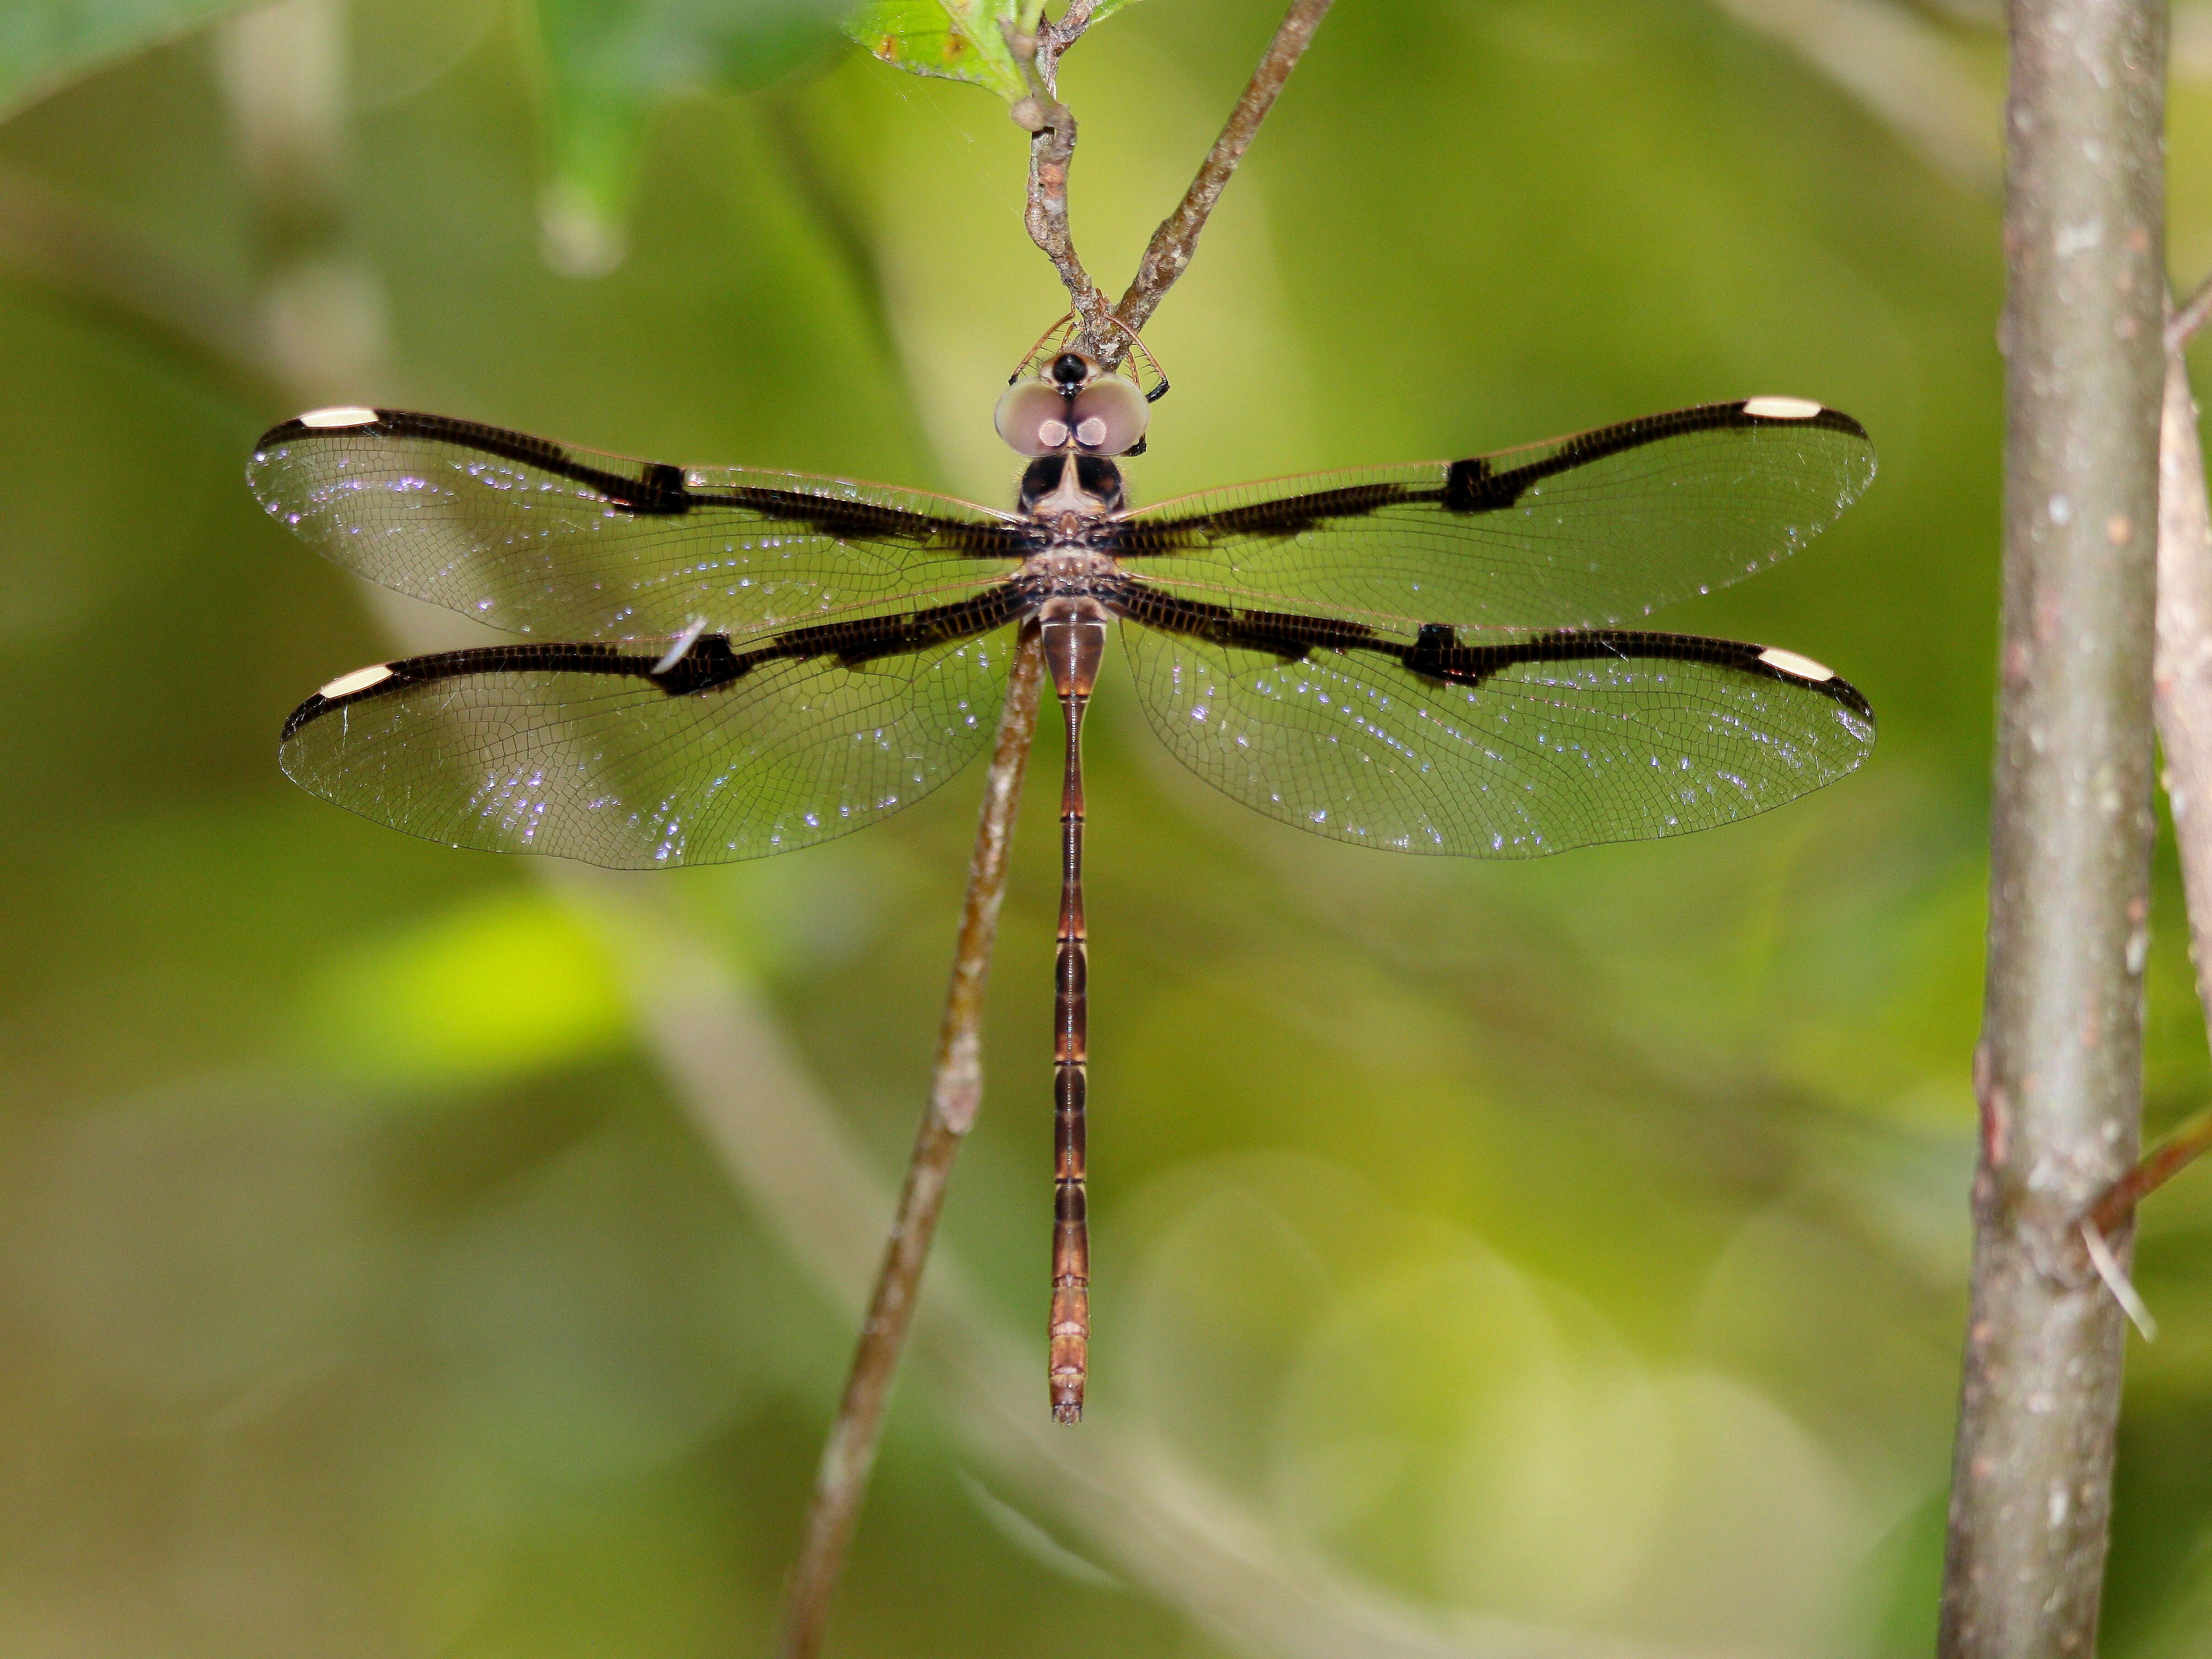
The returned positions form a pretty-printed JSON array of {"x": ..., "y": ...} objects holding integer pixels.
[
  {"x": 1108, "y": 416},
  {"x": 1033, "y": 417}
]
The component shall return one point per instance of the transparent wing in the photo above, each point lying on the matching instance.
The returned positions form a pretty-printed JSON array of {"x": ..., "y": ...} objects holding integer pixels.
[
  {"x": 586, "y": 752},
  {"x": 1588, "y": 532},
  {"x": 1512, "y": 748},
  {"x": 539, "y": 538}
]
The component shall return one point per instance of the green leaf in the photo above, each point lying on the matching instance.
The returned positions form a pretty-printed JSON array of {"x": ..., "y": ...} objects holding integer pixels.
[
  {"x": 45, "y": 44},
  {"x": 609, "y": 62},
  {"x": 957, "y": 40}
]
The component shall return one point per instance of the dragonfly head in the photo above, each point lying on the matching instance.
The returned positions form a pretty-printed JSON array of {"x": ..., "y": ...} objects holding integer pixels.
[{"x": 1076, "y": 404}]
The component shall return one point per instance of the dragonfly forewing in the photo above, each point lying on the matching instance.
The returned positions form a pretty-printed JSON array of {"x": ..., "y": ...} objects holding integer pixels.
[
  {"x": 546, "y": 539},
  {"x": 1595, "y": 531}
]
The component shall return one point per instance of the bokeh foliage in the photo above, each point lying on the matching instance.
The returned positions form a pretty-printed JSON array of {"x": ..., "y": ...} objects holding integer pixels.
[{"x": 1580, "y": 1242}]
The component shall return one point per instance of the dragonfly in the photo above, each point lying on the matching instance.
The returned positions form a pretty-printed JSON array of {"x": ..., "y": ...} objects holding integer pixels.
[{"x": 720, "y": 663}]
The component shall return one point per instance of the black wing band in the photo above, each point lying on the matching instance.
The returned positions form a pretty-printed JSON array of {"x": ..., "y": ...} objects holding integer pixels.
[
  {"x": 1477, "y": 485},
  {"x": 658, "y": 490},
  {"x": 1436, "y": 653},
  {"x": 705, "y": 665},
  {"x": 1283, "y": 634},
  {"x": 1472, "y": 486},
  {"x": 653, "y": 489}
]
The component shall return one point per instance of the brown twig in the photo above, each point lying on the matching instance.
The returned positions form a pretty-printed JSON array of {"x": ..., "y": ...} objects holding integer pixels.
[
  {"x": 2059, "y": 1071},
  {"x": 1052, "y": 151},
  {"x": 1051, "y": 125},
  {"x": 2182, "y": 326},
  {"x": 955, "y": 1092},
  {"x": 1054, "y": 39},
  {"x": 1176, "y": 238},
  {"x": 2116, "y": 1205}
]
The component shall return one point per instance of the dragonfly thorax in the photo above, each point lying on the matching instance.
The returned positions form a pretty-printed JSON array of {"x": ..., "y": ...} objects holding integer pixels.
[
  {"x": 1067, "y": 570},
  {"x": 1068, "y": 486}
]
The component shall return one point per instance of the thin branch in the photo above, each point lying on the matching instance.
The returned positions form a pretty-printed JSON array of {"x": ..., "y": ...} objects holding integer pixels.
[
  {"x": 1051, "y": 125},
  {"x": 2181, "y": 699},
  {"x": 2181, "y": 690},
  {"x": 2182, "y": 326},
  {"x": 955, "y": 1092},
  {"x": 1054, "y": 39},
  {"x": 1176, "y": 238},
  {"x": 2116, "y": 1205},
  {"x": 2059, "y": 1071},
  {"x": 1052, "y": 152}
]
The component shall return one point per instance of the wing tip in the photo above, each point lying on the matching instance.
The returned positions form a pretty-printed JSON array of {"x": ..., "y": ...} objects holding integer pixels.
[
  {"x": 1792, "y": 669},
  {"x": 1855, "y": 700},
  {"x": 343, "y": 418},
  {"x": 1772, "y": 410},
  {"x": 345, "y": 688},
  {"x": 314, "y": 709}
]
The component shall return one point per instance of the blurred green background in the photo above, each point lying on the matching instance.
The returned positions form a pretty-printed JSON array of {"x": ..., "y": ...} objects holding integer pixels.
[{"x": 406, "y": 1251}]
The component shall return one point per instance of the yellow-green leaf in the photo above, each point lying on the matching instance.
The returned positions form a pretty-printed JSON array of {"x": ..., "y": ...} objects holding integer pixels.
[{"x": 957, "y": 40}]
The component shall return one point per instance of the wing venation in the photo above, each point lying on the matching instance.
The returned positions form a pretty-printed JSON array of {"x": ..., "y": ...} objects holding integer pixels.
[
  {"x": 1509, "y": 747},
  {"x": 541, "y": 538},
  {"x": 647, "y": 759},
  {"x": 1593, "y": 530}
]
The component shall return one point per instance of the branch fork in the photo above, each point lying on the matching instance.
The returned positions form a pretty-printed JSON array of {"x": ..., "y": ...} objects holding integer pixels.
[{"x": 1107, "y": 333}]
